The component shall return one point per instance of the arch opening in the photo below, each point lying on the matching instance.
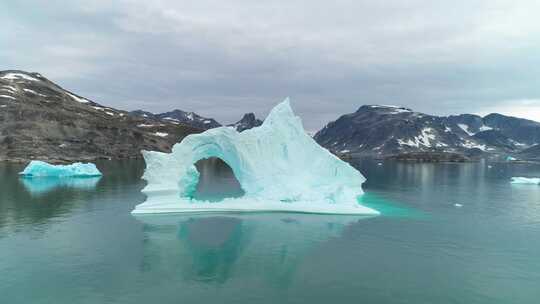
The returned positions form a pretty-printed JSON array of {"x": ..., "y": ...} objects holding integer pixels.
[{"x": 216, "y": 181}]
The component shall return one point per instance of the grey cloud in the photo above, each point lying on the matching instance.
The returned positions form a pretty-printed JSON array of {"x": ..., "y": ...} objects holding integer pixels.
[{"x": 225, "y": 58}]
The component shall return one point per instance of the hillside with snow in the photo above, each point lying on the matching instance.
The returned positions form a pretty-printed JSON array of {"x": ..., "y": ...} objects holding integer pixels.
[
  {"x": 41, "y": 120},
  {"x": 193, "y": 119},
  {"x": 380, "y": 130}
]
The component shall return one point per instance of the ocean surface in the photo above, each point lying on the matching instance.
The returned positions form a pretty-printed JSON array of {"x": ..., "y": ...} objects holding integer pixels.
[{"x": 449, "y": 233}]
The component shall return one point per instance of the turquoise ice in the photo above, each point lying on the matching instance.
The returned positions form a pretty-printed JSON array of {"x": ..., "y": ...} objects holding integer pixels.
[
  {"x": 38, "y": 168},
  {"x": 278, "y": 165}
]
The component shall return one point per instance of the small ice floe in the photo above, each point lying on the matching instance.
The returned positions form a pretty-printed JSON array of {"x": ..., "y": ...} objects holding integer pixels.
[
  {"x": 38, "y": 168},
  {"x": 458, "y": 205},
  {"x": 489, "y": 166},
  {"x": 525, "y": 180},
  {"x": 379, "y": 164}
]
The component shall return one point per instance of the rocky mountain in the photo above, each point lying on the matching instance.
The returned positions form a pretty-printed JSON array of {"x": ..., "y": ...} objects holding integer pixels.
[
  {"x": 523, "y": 131},
  {"x": 248, "y": 121},
  {"x": 41, "y": 120},
  {"x": 531, "y": 153},
  {"x": 390, "y": 130},
  {"x": 181, "y": 117}
]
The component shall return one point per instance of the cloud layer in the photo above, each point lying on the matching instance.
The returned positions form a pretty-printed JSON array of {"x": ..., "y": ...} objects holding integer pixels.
[{"x": 224, "y": 58}]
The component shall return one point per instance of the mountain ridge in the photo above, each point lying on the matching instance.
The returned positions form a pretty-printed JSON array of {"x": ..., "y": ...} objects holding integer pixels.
[
  {"x": 380, "y": 130},
  {"x": 41, "y": 120},
  {"x": 193, "y": 119}
]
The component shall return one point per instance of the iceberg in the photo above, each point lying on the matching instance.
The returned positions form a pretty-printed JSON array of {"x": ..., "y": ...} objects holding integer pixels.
[
  {"x": 38, "y": 168},
  {"x": 278, "y": 165},
  {"x": 42, "y": 186},
  {"x": 525, "y": 180}
]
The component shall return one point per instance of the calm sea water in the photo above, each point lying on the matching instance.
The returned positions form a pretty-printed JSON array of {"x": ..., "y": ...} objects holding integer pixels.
[{"x": 76, "y": 242}]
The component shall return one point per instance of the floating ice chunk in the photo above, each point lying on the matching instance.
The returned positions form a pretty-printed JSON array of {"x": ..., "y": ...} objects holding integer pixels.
[
  {"x": 278, "y": 165},
  {"x": 525, "y": 180},
  {"x": 38, "y": 168},
  {"x": 458, "y": 205}
]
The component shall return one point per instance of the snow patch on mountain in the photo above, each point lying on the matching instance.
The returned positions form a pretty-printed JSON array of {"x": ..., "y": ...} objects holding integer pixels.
[
  {"x": 8, "y": 88},
  {"x": 34, "y": 92},
  {"x": 7, "y": 96},
  {"x": 425, "y": 139},
  {"x": 77, "y": 98},
  {"x": 485, "y": 128},
  {"x": 471, "y": 145},
  {"x": 391, "y": 109},
  {"x": 18, "y": 76},
  {"x": 465, "y": 128}
]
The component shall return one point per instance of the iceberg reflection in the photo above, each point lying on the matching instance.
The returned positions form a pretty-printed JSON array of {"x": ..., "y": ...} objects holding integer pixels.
[
  {"x": 209, "y": 248},
  {"x": 42, "y": 185}
]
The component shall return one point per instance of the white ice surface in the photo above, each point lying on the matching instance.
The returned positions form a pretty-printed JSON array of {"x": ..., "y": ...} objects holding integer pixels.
[
  {"x": 279, "y": 167},
  {"x": 525, "y": 180}
]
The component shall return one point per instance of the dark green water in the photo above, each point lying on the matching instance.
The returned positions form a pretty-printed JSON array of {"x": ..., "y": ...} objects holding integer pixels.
[{"x": 76, "y": 242}]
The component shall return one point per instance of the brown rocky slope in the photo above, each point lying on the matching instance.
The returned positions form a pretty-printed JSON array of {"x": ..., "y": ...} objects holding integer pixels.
[{"x": 41, "y": 120}]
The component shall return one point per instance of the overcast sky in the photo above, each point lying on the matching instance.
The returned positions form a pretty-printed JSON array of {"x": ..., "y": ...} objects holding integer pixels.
[{"x": 223, "y": 58}]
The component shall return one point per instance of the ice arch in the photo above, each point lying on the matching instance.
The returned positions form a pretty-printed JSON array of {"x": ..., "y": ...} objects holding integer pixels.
[
  {"x": 278, "y": 165},
  {"x": 216, "y": 181}
]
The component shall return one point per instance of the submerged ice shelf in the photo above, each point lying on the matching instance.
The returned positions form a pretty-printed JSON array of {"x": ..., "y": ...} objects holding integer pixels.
[
  {"x": 278, "y": 166},
  {"x": 40, "y": 186},
  {"x": 38, "y": 168}
]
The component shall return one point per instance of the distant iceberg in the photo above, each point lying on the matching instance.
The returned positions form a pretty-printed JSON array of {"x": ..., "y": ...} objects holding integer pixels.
[
  {"x": 278, "y": 166},
  {"x": 525, "y": 180},
  {"x": 38, "y": 168}
]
